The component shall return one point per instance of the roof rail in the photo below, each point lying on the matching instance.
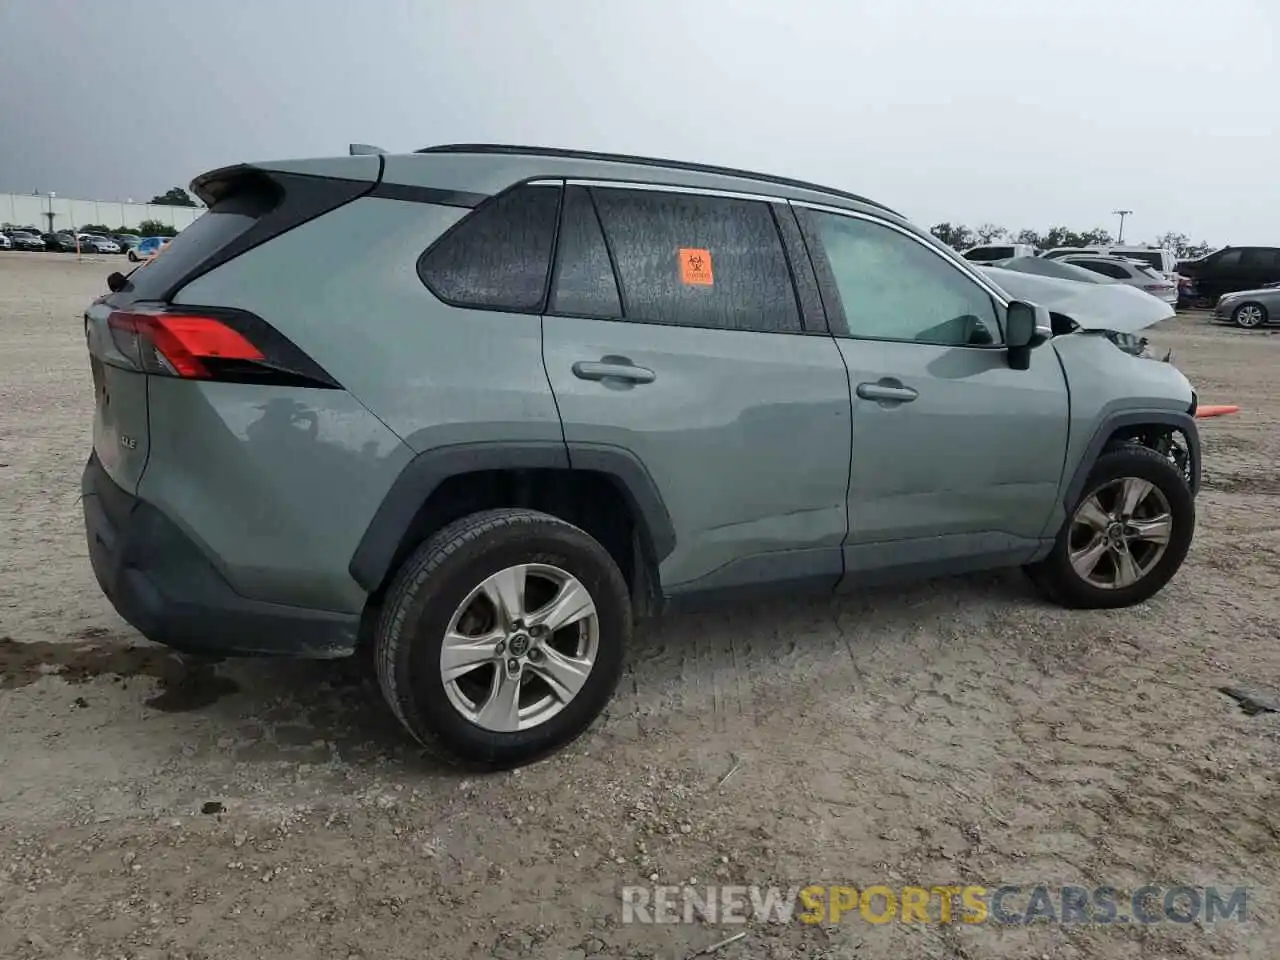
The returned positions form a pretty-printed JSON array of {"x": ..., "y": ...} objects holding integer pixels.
[{"x": 560, "y": 152}]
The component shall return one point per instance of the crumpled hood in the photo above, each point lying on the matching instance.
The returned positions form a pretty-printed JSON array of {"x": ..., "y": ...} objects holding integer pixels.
[{"x": 1094, "y": 306}]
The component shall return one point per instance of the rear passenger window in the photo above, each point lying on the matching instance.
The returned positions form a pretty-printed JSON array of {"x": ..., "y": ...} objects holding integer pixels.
[
  {"x": 499, "y": 257},
  {"x": 1261, "y": 258},
  {"x": 698, "y": 261},
  {"x": 584, "y": 282}
]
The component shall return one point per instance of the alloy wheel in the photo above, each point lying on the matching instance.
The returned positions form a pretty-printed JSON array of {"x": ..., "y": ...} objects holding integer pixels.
[
  {"x": 520, "y": 647},
  {"x": 1119, "y": 533},
  {"x": 1249, "y": 316}
]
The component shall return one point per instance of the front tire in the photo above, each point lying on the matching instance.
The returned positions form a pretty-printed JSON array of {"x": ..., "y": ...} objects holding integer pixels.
[
  {"x": 1125, "y": 538},
  {"x": 1249, "y": 315},
  {"x": 502, "y": 637}
]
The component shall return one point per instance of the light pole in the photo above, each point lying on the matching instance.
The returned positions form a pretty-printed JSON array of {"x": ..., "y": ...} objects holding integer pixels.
[
  {"x": 1121, "y": 214},
  {"x": 52, "y": 195}
]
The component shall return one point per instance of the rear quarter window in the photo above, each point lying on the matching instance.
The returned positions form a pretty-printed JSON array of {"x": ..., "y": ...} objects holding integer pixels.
[{"x": 499, "y": 257}]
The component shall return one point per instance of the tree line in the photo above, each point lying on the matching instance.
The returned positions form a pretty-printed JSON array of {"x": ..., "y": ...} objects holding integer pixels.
[{"x": 961, "y": 237}]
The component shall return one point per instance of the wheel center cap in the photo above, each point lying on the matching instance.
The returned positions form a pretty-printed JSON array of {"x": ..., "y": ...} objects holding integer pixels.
[
  {"x": 518, "y": 645},
  {"x": 1115, "y": 535}
]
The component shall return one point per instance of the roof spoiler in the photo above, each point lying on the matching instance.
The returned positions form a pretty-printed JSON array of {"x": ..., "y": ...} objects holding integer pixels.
[{"x": 365, "y": 150}]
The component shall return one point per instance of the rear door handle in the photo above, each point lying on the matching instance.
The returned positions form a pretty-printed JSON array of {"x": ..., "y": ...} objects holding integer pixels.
[
  {"x": 887, "y": 390},
  {"x": 613, "y": 368}
]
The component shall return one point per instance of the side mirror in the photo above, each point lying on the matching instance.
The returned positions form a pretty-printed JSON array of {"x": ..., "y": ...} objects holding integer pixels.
[
  {"x": 116, "y": 281},
  {"x": 1027, "y": 325}
]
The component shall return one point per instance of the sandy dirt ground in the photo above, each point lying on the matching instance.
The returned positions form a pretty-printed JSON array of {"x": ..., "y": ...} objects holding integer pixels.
[{"x": 955, "y": 732}]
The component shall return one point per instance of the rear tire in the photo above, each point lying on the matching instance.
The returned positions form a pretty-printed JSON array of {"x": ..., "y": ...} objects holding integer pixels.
[
  {"x": 1103, "y": 527},
  {"x": 1249, "y": 316},
  {"x": 446, "y": 587}
]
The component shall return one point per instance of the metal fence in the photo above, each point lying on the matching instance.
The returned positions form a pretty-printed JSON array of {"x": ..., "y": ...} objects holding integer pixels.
[{"x": 65, "y": 213}]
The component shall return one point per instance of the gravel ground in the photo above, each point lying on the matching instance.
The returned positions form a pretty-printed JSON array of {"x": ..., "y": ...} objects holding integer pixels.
[{"x": 953, "y": 732}]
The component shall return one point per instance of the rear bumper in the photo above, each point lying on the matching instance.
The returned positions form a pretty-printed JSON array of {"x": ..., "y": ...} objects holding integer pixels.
[{"x": 162, "y": 584}]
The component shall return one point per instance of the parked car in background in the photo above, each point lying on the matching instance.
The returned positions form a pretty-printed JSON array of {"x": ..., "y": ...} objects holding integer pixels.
[
  {"x": 147, "y": 248},
  {"x": 1057, "y": 269},
  {"x": 1229, "y": 270},
  {"x": 991, "y": 252},
  {"x": 5, "y": 242},
  {"x": 595, "y": 391},
  {"x": 61, "y": 242},
  {"x": 25, "y": 240},
  {"x": 1157, "y": 258},
  {"x": 1133, "y": 272},
  {"x": 95, "y": 243},
  {"x": 1249, "y": 308},
  {"x": 127, "y": 241}
]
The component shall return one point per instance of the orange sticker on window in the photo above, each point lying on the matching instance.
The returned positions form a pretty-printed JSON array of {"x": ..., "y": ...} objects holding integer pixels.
[{"x": 695, "y": 267}]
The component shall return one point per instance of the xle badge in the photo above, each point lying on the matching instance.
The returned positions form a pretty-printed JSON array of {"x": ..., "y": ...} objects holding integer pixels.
[
  {"x": 695, "y": 267},
  {"x": 128, "y": 442}
]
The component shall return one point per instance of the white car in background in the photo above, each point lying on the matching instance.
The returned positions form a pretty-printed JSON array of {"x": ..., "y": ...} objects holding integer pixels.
[
  {"x": 991, "y": 252},
  {"x": 1157, "y": 258},
  {"x": 5, "y": 242},
  {"x": 1135, "y": 273}
]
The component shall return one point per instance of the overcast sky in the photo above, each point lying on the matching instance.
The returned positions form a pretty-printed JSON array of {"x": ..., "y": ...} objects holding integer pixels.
[{"x": 1027, "y": 113}]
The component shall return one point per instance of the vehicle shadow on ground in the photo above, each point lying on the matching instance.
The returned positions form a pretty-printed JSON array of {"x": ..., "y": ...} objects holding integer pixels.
[
  {"x": 268, "y": 710},
  {"x": 311, "y": 707}
]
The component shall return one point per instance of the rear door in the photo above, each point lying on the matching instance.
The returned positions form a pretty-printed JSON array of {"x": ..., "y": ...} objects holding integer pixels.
[
  {"x": 674, "y": 332},
  {"x": 957, "y": 458},
  {"x": 1261, "y": 265},
  {"x": 1221, "y": 273}
]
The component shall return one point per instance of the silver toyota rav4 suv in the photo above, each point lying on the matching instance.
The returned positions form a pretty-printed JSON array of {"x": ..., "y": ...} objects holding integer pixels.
[{"x": 477, "y": 409}]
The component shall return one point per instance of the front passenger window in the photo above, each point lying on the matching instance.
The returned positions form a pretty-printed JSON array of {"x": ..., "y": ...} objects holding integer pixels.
[{"x": 891, "y": 287}]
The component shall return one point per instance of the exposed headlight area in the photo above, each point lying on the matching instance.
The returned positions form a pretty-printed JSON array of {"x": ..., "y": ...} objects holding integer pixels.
[
  {"x": 1137, "y": 346},
  {"x": 1130, "y": 343}
]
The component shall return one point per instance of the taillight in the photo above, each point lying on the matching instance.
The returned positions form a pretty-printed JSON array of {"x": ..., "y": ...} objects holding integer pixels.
[
  {"x": 176, "y": 344},
  {"x": 212, "y": 344}
]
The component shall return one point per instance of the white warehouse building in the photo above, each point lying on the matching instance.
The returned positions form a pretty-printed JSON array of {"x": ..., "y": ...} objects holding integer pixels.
[{"x": 33, "y": 210}]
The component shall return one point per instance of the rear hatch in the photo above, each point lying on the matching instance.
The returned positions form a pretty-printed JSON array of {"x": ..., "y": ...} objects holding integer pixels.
[{"x": 135, "y": 332}]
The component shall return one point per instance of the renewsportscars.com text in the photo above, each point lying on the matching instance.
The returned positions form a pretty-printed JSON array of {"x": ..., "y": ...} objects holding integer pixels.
[{"x": 1007, "y": 904}]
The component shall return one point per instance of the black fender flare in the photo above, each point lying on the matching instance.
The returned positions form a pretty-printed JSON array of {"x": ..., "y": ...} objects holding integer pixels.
[
  {"x": 1178, "y": 420},
  {"x": 374, "y": 555}
]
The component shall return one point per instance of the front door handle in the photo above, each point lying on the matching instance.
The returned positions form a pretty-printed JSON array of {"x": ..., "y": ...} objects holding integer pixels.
[
  {"x": 887, "y": 390},
  {"x": 613, "y": 368}
]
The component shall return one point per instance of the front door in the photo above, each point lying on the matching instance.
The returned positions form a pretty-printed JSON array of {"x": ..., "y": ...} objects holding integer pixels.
[
  {"x": 695, "y": 361},
  {"x": 957, "y": 458}
]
